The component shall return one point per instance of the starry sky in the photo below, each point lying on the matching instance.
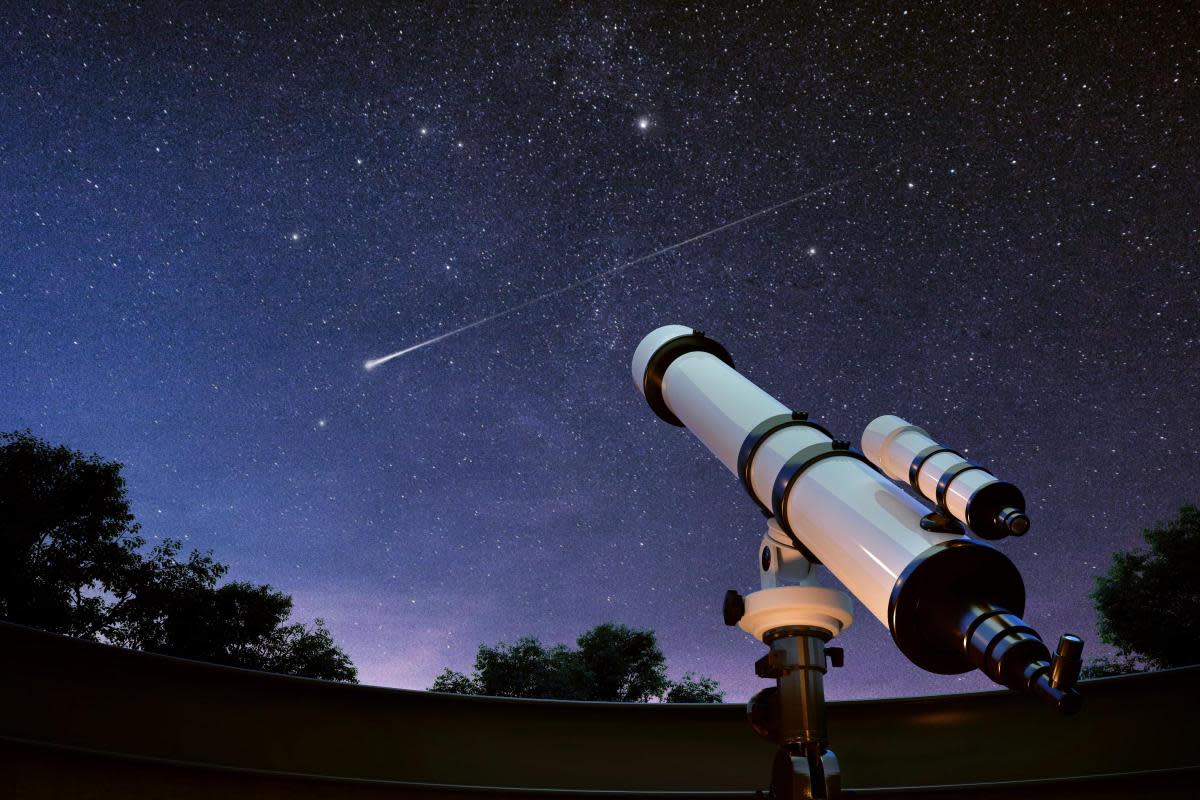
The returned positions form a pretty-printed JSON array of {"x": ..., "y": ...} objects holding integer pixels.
[{"x": 210, "y": 218}]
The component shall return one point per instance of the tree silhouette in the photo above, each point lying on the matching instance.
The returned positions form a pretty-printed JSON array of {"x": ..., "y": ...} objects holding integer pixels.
[
  {"x": 622, "y": 663},
  {"x": 522, "y": 669},
  {"x": 612, "y": 663},
  {"x": 65, "y": 528},
  {"x": 1148, "y": 603},
  {"x": 692, "y": 689},
  {"x": 72, "y": 561}
]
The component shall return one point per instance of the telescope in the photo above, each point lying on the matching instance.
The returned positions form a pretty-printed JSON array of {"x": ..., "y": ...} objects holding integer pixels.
[{"x": 952, "y": 603}]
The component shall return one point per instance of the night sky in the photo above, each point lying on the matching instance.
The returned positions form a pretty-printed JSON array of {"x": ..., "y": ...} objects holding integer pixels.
[{"x": 210, "y": 219}]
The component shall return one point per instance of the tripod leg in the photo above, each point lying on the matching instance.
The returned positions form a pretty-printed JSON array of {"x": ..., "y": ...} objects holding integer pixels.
[{"x": 805, "y": 776}]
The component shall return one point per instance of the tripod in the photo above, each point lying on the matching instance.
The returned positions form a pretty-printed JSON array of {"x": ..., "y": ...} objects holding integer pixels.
[{"x": 795, "y": 617}]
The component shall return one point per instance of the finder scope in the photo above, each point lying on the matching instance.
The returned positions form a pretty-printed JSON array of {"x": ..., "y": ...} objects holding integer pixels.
[
  {"x": 952, "y": 604},
  {"x": 990, "y": 507}
]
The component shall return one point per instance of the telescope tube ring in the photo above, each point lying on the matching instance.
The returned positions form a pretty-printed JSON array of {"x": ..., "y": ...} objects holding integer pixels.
[
  {"x": 759, "y": 435},
  {"x": 914, "y": 469},
  {"x": 939, "y": 494},
  {"x": 791, "y": 472},
  {"x": 664, "y": 356}
]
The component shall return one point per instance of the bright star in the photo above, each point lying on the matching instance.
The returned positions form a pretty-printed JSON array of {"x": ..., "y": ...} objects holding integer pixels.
[
  {"x": 812, "y": 251},
  {"x": 295, "y": 237},
  {"x": 321, "y": 423},
  {"x": 643, "y": 123}
]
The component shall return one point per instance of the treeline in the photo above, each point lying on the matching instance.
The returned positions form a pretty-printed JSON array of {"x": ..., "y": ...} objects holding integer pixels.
[
  {"x": 611, "y": 662},
  {"x": 72, "y": 561}
]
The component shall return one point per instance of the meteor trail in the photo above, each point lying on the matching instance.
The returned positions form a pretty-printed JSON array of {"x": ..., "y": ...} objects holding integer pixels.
[{"x": 375, "y": 362}]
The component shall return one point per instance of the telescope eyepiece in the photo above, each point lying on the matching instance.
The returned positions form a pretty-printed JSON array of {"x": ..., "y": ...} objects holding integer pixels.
[
  {"x": 1014, "y": 520},
  {"x": 1067, "y": 662}
]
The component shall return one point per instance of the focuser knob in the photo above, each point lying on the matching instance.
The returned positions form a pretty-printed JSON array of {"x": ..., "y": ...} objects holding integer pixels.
[
  {"x": 734, "y": 608},
  {"x": 836, "y": 656}
]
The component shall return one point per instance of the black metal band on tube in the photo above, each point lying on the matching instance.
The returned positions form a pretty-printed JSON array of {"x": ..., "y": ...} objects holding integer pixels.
[
  {"x": 914, "y": 469},
  {"x": 664, "y": 356},
  {"x": 791, "y": 472},
  {"x": 756, "y": 437},
  {"x": 948, "y": 477}
]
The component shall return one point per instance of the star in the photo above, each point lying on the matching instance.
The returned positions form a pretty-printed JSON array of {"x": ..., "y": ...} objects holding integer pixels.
[
  {"x": 643, "y": 123},
  {"x": 295, "y": 236}
]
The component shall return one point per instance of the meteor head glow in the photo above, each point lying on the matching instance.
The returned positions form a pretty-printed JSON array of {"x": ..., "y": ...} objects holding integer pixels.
[
  {"x": 375, "y": 362},
  {"x": 372, "y": 363}
]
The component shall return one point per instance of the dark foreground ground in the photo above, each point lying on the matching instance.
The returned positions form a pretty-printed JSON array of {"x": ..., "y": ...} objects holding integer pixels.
[{"x": 81, "y": 720}]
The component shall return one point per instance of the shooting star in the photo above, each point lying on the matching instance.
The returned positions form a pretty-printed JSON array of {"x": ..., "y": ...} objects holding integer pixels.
[{"x": 375, "y": 362}]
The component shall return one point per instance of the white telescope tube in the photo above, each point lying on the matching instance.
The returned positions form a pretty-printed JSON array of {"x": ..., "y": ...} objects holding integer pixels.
[
  {"x": 844, "y": 512},
  {"x": 950, "y": 603},
  {"x": 991, "y": 508}
]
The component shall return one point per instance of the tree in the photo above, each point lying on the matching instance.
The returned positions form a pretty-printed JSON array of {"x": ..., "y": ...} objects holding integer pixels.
[
  {"x": 522, "y": 669},
  {"x": 239, "y": 624},
  {"x": 451, "y": 682},
  {"x": 1104, "y": 667},
  {"x": 694, "y": 690},
  {"x": 72, "y": 561},
  {"x": 65, "y": 528},
  {"x": 622, "y": 663},
  {"x": 612, "y": 662},
  {"x": 1149, "y": 602}
]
